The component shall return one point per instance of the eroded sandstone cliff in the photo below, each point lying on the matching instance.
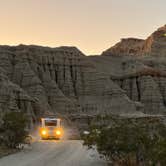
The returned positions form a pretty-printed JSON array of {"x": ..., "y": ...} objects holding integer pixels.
[
  {"x": 155, "y": 44},
  {"x": 128, "y": 79},
  {"x": 139, "y": 68},
  {"x": 57, "y": 80}
]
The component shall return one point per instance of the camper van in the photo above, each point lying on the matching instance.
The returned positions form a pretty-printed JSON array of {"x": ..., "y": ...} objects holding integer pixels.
[{"x": 51, "y": 128}]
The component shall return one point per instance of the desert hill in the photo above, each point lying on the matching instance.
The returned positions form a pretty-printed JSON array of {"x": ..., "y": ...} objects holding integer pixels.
[{"x": 128, "y": 79}]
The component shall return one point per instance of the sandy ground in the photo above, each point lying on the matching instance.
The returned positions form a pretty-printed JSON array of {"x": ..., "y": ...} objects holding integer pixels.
[{"x": 54, "y": 153}]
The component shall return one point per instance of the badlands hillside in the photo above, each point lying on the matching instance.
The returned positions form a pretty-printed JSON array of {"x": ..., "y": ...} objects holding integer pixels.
[{"x": 128, "y": 79}]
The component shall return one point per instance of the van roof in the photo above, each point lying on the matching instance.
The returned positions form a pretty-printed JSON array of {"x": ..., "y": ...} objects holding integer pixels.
[{"x": 50, "y": 118}]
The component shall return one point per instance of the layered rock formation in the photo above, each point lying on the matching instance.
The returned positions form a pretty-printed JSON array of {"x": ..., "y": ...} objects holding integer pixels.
[
  {"x": 155, "y": 44},
  {"x": 128, "y": 46},
  {"x": 139, "y": 68},
  {"x": 128, "y": 79},
  {"x": 13, "y": 98},
  {"x": 60, "y": 81}
]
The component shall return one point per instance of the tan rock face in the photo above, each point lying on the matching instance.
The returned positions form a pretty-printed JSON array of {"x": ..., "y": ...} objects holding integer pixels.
[
  {"x": 63, "y": 81},
  {"x": 146, "y": 90},
  {"x": 155, "y": 44},
  {"x": 13, "y": 98},
  {"x": 128, "y": 46},
  {"x": 60, "y": 80},
  {"x": 139, "y": 68},
  {"x": 142, "y": 78}
]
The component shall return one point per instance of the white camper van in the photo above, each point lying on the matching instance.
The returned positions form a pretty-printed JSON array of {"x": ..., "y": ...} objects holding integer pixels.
[{"x": 51, "y": 128}]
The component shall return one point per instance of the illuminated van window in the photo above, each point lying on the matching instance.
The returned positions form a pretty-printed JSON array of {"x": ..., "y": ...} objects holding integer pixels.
[{"x": 51, "y": 122}]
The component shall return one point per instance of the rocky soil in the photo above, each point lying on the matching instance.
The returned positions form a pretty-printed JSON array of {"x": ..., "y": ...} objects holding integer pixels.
[{"x": 128, "y": 79}]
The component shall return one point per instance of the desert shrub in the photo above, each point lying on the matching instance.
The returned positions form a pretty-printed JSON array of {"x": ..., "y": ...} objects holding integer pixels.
[
  {"x": 129, "y": 142},
  {"x": 14, "y": 124}
]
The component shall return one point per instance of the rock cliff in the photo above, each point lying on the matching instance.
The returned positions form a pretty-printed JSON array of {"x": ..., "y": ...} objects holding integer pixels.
[
  {"x": 155, "y": 44},
  {"x": 128, "y": 46},
  {"x": 42, "y": 81},
  {"x": 128, "y": 79},
  {"x": 139, "y": 68}
]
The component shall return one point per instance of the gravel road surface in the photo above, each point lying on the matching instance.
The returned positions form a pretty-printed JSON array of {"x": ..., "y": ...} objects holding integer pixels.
[{"x": 54, "y": 153}]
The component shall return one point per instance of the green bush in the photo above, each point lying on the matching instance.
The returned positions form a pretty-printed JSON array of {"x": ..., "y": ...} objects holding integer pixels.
[
  {"x": 14, "y": 124},
  {"x": 129, "y": 142}
]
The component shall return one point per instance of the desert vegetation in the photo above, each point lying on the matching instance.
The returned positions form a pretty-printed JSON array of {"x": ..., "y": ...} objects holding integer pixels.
[
  {"x": 13, "y": 130},
  {"x": 129, "y": 142}
]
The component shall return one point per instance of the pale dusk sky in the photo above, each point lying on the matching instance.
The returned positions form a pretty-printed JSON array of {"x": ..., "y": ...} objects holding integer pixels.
[{"x": 90, "y": 25}]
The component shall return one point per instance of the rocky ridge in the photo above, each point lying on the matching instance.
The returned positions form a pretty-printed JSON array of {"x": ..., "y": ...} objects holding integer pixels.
[
  {"x": 139, "y": 68},
  {"x": 128, "y": 79},
  {"x": 59, "y": 81},
  {"x": 155, "y": 44}
]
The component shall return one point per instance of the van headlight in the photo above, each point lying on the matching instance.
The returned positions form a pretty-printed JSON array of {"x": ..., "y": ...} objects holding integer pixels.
[
  {"x": 43, "y": 132},
  {"x": 58, "y": 132}
]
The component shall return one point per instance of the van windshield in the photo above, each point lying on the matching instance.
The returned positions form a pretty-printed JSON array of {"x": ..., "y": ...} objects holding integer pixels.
[{"x": 50, "y": 122}]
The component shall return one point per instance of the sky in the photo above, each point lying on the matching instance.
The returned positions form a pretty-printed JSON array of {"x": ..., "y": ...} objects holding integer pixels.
[{"x": 91, "y": 25}]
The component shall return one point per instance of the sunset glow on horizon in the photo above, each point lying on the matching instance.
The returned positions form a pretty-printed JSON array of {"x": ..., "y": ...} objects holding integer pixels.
[{"x": 90, "y": 25}]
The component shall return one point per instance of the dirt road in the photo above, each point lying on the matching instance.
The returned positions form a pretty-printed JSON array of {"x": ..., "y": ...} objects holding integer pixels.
[{"x": 54, "y": 153}]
